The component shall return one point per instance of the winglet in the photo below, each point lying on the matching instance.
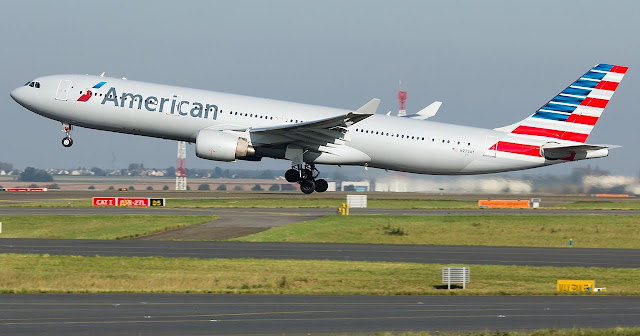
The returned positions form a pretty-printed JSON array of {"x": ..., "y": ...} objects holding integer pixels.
[
  {"x": 369, "y": 108},
  {"x": 428, "y": 111}
]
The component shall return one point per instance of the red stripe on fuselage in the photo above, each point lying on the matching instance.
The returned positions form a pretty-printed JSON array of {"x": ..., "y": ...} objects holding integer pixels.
[
  {"x": 595, "y": 102},
  {"x": 582, "y": 119},
  {"x": 604, "y": 85},
  {"x": 550, "y": 133},
  {"x": 517, "y": 148},
  {"x": 619, "y": 69}
]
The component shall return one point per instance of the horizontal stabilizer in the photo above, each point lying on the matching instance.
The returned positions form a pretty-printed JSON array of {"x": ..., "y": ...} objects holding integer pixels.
[{"x": 556, "y": 151}]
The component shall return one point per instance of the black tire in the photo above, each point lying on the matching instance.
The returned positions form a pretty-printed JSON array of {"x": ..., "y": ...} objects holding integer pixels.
[
  {"x": 67, "y": 142},
  {"x": 306, "y": 174},
  {"x": 307, "y": 186},
  {"x": 321, "y": 185},
  {"x": 292, "y": 175}
]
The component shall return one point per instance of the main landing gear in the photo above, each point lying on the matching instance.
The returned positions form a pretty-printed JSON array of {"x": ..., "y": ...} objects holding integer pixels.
[
  {"x": 306, "y": 178},
  {"x": 67, "y": 141}
]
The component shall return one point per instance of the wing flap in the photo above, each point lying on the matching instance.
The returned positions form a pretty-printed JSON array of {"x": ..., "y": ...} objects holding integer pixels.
[{"x": 327, "y": 132}]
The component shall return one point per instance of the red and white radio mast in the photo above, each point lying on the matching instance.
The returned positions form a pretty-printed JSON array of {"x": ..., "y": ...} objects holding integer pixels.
[{"x": 402, "y": 98}]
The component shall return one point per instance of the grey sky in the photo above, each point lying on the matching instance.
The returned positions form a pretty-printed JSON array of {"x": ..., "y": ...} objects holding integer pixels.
[{"x": 492, "y": 63}]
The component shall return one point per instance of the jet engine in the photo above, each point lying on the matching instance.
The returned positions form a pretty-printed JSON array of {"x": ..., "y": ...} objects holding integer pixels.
[{"x": 222, "y": 146}]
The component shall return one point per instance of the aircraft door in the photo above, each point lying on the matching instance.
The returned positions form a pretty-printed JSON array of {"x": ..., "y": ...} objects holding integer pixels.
[
  {"x": 490, "y": 146},
  {"x": 63, "y": 90}
]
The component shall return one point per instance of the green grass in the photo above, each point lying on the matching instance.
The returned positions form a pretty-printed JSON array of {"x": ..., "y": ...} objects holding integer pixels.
[
  {"x": 72, "y": 274},
  {"x": 77, "y": 203},
  {"x": 599, "y": 205},
  {"x": 504, "y": 230},
  {"x": 300, "y": 202},
  {"x": 93, "y": 227}
]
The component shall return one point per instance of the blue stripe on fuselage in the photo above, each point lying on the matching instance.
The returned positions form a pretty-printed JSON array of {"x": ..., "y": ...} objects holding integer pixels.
[
  {"x": 594, "y": 75},
  {"x": 567, "y": 100},
  {"x": 558, "y": 108},
  {"x": 551, "y": 116},
  {"x": 576, "y": 91},
  {"x": 585, "y": 83},
  {"x": 603, "y": 67}
]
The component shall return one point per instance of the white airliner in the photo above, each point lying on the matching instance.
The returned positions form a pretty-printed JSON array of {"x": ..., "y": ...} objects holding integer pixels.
[{"x": 228, "y": 127}]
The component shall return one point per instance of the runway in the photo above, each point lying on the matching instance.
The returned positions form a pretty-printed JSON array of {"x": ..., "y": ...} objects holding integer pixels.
[
  {"x": 472, "y": 255},
  {"x": 202, "y": 314}
]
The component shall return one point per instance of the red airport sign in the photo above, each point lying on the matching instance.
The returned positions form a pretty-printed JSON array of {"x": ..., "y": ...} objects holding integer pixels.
[
  {"x": 128, "y": 201},
  {"x": 25, "y": 189}
]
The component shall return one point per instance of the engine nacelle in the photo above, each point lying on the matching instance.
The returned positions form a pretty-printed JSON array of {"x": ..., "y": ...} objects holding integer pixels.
[{"x": 221, "y": 146}]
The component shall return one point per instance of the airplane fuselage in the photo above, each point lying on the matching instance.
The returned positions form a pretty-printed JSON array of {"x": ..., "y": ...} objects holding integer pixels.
[{"x": 309, "y": 134}]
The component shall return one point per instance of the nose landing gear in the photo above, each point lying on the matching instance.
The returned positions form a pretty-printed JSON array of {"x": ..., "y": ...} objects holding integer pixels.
[
  {"x": 67, "y": 141},
  {"x": 306, "y": 177}
]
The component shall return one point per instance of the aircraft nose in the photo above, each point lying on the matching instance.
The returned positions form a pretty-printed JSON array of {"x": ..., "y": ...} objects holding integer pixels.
[{"x": 18, "y": 95}]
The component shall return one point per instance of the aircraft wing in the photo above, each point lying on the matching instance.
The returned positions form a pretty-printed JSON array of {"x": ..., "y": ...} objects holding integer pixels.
[{"x": 319, "y": 134}]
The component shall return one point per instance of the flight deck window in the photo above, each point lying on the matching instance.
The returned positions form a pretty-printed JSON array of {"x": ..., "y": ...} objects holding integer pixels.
[
  {"x": 31, "y": 84},
  {"x": 37, "y": 85}
]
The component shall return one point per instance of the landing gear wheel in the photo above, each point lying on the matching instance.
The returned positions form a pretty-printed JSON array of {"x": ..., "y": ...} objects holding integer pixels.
[
  {"x": 67, "y": 141},
  {"x": 321, "y": 185},
  {"x": 307, "y": 186},
  {"x": 292, "y": 175},
  {"x": 306, "y": 174}
]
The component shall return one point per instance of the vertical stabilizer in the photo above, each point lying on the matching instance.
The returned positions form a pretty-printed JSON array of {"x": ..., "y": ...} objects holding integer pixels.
[{"x": 572, "y": 114}]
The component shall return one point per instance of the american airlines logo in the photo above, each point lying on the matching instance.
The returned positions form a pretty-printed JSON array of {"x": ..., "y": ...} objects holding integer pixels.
[
  {"x": 85, "y": 97},
  {"x": 177, "y": 106}
]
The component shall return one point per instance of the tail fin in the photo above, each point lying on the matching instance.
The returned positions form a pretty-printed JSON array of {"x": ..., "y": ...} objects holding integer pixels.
[{"x": 572, "y": 114}]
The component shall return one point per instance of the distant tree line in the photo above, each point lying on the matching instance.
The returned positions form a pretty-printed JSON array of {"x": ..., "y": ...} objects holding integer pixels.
[{"x": 31, "y": 174}]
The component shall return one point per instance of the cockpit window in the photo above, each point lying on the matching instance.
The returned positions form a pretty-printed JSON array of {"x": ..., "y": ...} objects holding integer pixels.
[
  {"x": 37, "y": 85},
  {"x": 33, "y": 84},
  {"x": 27, "y": 84}
]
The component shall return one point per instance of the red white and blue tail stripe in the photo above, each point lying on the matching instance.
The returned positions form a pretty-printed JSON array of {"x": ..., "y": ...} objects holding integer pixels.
[{"x": 569, "y": 117}]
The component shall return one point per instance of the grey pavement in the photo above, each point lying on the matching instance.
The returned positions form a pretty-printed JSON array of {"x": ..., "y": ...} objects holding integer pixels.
[
  {"x": 205, "y": 314},
  {"x": 472, "y": 255}
]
